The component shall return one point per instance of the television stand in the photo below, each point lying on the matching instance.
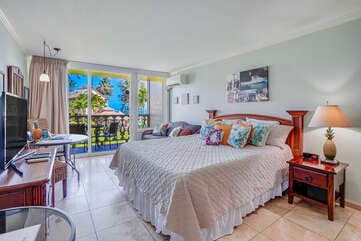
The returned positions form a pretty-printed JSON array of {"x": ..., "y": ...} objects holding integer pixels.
[
  {"x": 31, "y": 189},
  {"x": 15, "y": 169}
]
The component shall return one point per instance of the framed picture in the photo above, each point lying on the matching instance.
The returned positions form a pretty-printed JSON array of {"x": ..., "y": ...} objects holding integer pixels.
[
  {"x": 2, "y": 81},
  {"x": 195, "y": 99},
  {"x": 185, "y": 100},
  {"x": 248, "y": 86}
]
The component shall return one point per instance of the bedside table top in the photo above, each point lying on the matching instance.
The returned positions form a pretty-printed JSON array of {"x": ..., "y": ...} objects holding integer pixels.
[{"x": 316, "y": 166}]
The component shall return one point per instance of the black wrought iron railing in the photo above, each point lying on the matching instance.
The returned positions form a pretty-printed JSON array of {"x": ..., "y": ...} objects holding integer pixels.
[{"x": 106, "y": 129}]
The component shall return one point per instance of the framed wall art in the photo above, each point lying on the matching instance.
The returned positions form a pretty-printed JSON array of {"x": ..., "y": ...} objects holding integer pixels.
[{"x": 248, "y": 86}]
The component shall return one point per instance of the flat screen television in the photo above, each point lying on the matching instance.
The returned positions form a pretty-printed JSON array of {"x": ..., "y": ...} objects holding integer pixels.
[{"x": 13, "y": 127}]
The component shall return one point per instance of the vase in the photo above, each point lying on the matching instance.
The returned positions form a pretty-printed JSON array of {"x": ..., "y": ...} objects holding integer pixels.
[
  {"x": 37, "y": 133},
  {"x": 329, "y": 150}
]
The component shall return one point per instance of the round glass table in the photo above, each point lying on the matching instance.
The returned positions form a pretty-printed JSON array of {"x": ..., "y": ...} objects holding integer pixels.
[
  {"x": 65, "y": 140},
  {"x": 35, "y": 224}
]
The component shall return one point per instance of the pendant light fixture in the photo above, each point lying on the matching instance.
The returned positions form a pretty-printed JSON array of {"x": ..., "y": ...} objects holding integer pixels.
[{"x": 44, "y": 77}]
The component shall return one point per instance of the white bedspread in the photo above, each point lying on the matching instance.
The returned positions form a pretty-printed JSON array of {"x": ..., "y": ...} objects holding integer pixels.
[{"x": 193, "y": 184}]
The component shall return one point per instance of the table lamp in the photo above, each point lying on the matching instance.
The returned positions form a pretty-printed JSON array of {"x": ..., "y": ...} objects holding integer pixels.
[{"x": 329, "y": 116}]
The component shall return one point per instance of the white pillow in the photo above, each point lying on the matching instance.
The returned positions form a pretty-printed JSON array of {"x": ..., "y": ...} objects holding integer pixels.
[
  {"x": 230, "y": 122},
  {"x": 263, "y": 122},
  {"x": 278, "y": 135},
  {"x": 175, "y": 132}
]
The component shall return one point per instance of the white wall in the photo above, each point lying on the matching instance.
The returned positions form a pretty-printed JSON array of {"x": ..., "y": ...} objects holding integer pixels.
[
  {"x": 11, "y": 53},
  {"x": 304, "y": 73}
]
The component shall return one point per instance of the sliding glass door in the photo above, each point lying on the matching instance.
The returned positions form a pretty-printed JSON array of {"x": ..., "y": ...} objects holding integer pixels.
[
  {"x": 100, "y": 104},
  {"x": 78, "y": 106},
  {"x": 110, "y": 116},
  {"x": 150, "y": 100},
  {"x": 106, "y": 120}
]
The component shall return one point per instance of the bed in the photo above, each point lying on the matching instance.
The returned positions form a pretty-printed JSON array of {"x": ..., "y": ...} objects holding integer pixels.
[{"x": 195, "y": 192}]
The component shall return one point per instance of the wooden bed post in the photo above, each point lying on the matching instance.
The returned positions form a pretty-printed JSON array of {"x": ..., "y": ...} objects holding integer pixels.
[
  {"x": 211, "y": 114},
  {"x": 296, "y": 141}
]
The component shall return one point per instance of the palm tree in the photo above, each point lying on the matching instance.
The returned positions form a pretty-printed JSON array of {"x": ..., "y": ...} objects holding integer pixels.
[
  {"x": 124, "y": 96},
  {"x": 72, "y": 83},
  {"x": 105, "y": 88},
  {"x": 97, "y": 103},
  {"x": 79, "y": 104},
  {"x": 142, "y": 96}
]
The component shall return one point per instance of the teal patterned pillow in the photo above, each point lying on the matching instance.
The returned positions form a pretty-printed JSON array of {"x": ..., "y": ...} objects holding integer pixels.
[
  {"x": 160, "y": 130},
  {"x": 175, "y": 131},
  {"x": 205, "y": 128},
  {"x": 239, "y": 135},
  {"x": 260, "y": 134},
  {"x": 157, "y": 129}
]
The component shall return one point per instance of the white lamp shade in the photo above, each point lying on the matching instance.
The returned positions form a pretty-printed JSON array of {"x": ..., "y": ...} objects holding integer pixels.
[
  {"x": 44, "y": 77},
  {"x": 329, "y": 116}
]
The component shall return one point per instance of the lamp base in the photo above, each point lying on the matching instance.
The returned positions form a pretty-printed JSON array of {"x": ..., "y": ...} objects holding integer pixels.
[
  {"x": 329, "y": 150},
  {"x": 330, "y": 162}
]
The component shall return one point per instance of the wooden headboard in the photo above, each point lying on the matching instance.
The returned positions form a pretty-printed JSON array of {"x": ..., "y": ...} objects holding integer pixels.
[{"x": 295, "y": 138}]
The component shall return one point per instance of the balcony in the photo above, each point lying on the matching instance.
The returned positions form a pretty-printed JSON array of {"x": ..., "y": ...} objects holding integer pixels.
[{"x": 107, "y": 130}]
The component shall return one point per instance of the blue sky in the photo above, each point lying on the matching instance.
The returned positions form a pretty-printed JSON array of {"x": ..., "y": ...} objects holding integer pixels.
[{"x": 81, "y": 82}]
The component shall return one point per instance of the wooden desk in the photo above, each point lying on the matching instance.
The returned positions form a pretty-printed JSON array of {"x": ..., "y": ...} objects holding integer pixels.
[{"x": 33, "y": 188}]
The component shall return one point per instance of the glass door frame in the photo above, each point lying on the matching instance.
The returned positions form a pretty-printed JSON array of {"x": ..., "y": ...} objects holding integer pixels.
[{"x": 133, "y": 95}]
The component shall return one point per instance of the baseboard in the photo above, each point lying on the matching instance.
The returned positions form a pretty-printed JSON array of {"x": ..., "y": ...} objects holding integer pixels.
[{"x": 353, "y": 205}]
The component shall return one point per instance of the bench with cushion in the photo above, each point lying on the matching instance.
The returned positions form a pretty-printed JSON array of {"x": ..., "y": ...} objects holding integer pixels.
[{"x": 187, "y": 127}]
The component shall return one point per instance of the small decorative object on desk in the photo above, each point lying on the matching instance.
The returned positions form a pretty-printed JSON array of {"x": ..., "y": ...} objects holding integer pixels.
[
  {"x": 45, "y": 134},
  {"x": 37, "y": 132}
]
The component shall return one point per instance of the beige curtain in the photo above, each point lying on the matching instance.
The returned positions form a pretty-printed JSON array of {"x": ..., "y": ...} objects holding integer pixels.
[{"x": 48, "y": 100}]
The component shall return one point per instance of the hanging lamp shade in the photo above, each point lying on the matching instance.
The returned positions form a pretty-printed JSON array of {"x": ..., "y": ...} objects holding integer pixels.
[{"x": 44, "y": 77}]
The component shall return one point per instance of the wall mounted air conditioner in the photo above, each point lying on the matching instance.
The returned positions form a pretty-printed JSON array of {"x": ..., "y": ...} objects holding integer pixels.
[{"x": 176, "y": 80}]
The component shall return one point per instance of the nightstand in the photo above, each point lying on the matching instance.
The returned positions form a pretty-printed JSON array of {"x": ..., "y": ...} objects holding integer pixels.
[{"x": 316, "y": 183}]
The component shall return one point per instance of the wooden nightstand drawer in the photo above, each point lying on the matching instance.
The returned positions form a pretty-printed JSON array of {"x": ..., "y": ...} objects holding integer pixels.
[{"x": 310, "y": 177}]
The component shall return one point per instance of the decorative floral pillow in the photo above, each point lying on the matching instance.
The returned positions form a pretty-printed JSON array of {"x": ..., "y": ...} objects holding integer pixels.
[
  {"x": 260, "y": 134},
  {"x": 156, "y": 130},
  {"x": 205, "y": 128},
  {"x": 239, "y": 136},
  {"x": 214, "y": 137},
  {"x": 226, "y": 131},
  {"x": 175, "y": 132},
  {"x": 163, "y": 130},
  {"x": 160, "y": 130}
]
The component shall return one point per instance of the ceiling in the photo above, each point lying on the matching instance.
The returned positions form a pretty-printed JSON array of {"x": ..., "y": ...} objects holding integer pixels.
[{"x": 166, "y": 35}]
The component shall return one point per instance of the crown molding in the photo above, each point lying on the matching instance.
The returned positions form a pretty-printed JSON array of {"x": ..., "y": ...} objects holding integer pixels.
[
  {"x": 10, "y": 28},
  {"x": 312, "y": 28}
]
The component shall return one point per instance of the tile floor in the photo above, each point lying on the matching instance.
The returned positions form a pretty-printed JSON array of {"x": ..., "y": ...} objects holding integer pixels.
[{"x": 100, "y": 211}]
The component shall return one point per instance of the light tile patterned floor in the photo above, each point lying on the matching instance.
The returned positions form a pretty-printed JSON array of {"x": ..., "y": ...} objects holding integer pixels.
[{"x": 100, "y": 211}]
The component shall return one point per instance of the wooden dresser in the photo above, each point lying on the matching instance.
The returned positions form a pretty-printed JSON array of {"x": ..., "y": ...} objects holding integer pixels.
[{"x": 33, "y": 188}]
